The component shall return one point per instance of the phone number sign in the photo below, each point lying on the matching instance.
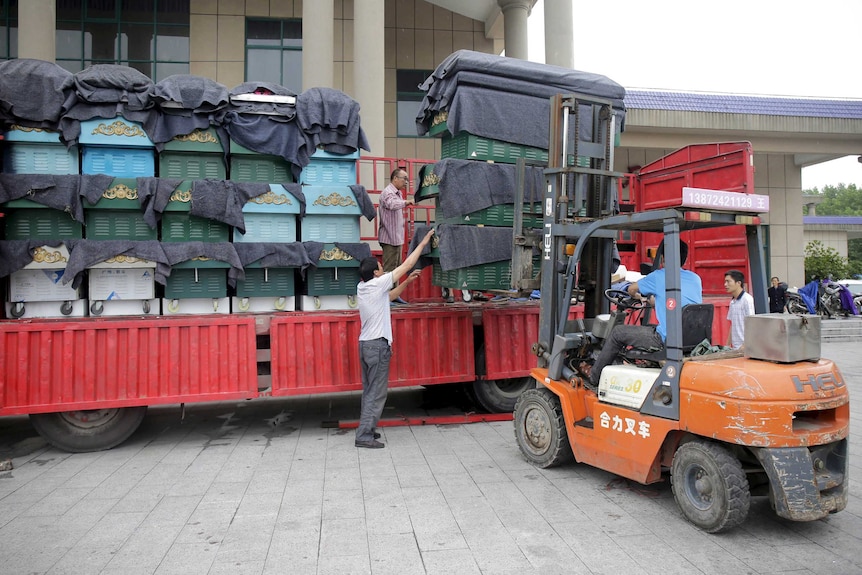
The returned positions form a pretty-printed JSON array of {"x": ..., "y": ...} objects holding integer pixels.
[{"x": 729, "y": 201}]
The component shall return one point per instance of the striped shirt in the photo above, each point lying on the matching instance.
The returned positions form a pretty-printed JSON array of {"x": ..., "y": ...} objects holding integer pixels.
[{"x": 391, "y": 220}]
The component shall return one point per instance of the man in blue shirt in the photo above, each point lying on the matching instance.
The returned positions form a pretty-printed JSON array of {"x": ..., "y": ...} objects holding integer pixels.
[{"x": 643, "y": 336}]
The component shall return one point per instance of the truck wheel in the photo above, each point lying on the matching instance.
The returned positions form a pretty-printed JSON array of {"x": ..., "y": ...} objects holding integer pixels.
[
  {"x": 540, "y": 429},
  {"x": 499, "y": 395},
  {"x": 88, "y": 430},
  {"x": 709, "y": 486}
]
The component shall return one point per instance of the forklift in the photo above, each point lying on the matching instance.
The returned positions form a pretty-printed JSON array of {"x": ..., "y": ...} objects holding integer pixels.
[{"x": 770, "y": 420}]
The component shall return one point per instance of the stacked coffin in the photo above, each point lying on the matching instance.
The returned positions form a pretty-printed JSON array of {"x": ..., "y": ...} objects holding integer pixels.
[
  {"x": 37, "y": 289},
  {"x": 117, "y": 147},
  {"x": 475, "y": 181},
  {"x": 271, "y": 217},
  {"x": 184, "y": 184}
]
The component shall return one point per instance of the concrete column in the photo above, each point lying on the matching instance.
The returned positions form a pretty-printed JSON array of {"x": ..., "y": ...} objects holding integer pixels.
[
  {"x": 368, "y": 65},
  {"x": 37, "y": 29},
  {"x": 317, "y": 44},
  {"x": 559, "y": 35},
  {"x": 515, "y": 13}
]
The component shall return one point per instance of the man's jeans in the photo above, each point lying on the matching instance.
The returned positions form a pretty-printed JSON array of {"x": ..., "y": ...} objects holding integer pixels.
[
  {"x": 374, "y": 356},
  {"x": 622, "y": 336}
]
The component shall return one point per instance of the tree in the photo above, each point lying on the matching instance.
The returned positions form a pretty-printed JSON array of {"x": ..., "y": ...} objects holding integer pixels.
[
  {"x": 841, "y": 200},
  {"x": 822, "y": 261}
]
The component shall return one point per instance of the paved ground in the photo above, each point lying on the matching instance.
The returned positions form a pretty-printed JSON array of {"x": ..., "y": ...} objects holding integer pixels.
[{"x": 260, "y": 487}]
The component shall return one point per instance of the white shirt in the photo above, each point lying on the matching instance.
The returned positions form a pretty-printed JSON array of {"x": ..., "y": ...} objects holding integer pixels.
[
  {"x": 740, "y": 307},
  {"x": 373, "y": 301}
]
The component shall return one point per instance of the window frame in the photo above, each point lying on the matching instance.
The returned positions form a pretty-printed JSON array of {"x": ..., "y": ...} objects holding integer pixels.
[{"x": 289, "y": 44}]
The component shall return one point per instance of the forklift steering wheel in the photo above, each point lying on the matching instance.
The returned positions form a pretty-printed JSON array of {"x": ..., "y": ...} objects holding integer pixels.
[{"x": 623, "y": 300}]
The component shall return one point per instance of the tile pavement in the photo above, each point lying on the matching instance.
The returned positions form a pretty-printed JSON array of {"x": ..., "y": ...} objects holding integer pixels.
[{"x": 260, "y": 487}]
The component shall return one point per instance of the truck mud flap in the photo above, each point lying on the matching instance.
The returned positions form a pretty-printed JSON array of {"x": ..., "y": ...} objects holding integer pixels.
[{"x": 807, "y": 483}]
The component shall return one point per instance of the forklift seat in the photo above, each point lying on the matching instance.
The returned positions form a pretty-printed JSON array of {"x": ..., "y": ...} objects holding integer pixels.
[{"x": 696, "y": 326}]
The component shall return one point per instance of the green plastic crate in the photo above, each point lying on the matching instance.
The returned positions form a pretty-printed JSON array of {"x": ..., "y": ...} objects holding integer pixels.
[
  {"x": 273, "y": 282},
  {"x": 183, "y": 227},
  {"x": 118, "y": 225},
  {"x": 40, "y": 224},
  {"x": 181, "y": 283},
  {"x": 490, "y": 276},
  {"x": 331, "y": 281},
  {"x": 502, "y": 215},
  {"x": 466, "y": 146}
]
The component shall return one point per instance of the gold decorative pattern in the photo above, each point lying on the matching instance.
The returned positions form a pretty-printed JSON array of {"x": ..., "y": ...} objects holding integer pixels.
[
  {"x": 334, "y": 255},
  {"x": 121, "y": 259},
  {"x": 201, "y": 259},
  {"x": 181, "y": 196},
  {"x": 25, "y": 128},
  {"x": 440, "y": 117},
  {"x": 120, "y": 192},
  {"x": 198, "y": 136},
  {"x": 430, "y": 179},
  {"x": 335, "y": 199},
  {"x": 118, "y": 128},
  {"x": 43, "y": 256},
  {"x": 271, "y": 198}
]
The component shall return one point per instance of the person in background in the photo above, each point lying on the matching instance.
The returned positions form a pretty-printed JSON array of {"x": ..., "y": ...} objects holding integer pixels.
[
  {"x": 741, "y": 305},
  {"x": 391, "y": 221},
  {"x": 373, "y": 295},
  {"x": 776, "y": 296}
]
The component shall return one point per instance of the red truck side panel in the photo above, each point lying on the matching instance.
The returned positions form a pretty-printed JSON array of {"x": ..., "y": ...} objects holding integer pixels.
[
  {"x": 725, "y": 166},
  {"x": 319, "y": 353},
  {"x": 70, "y": 365}
]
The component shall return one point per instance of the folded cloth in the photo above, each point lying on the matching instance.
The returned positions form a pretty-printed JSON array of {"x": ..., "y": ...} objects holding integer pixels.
[
  {"x": 465, "y": 246},
  {"x": 177, "y": 252},
  {"x": 295, "y": 190},
  {"x": 48, "y": 94},
  {"x": 223, "y": 200},
  {"x": 107, "y": 91},
  {"x": 358, "y": 251},
  {"x": 273, "y": 135},
  {"x": 61, "y": 192},
  {"x": 419, "y": 232},
  {"x": 273, "y": 255},
  {"x": 364, "y": 201},
  {"x": 86, "y": 253},
  {"x": 330, "y": 119},
  {"x": 15, "y": 254},
  {"x": 154, "y": 195},
  {"x": 313, "y": 249},
  {"x": 467, "y": 186}
]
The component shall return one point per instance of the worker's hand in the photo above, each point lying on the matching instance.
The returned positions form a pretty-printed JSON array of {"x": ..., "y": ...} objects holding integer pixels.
[
  {"x": 409, "y": 203},
  {"x": 414, "y": 275},
  {"x": 428, "y": 237}
]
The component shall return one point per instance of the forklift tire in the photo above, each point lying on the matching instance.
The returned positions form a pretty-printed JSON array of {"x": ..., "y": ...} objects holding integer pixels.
[
  {"x": 540, "y": 429},
  {"x": 709, "y": 486},
  {"x": 88, "y": 430}
]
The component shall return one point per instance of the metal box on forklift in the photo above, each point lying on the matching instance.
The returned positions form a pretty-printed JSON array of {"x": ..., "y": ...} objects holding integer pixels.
[{"x": 782, "y": 337}]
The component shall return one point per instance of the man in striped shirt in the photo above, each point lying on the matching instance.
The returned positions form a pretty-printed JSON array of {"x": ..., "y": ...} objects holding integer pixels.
[{"x": 391, "y": 221}]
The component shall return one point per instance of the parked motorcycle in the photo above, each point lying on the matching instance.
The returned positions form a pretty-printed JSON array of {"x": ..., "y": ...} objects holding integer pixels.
[{"x": 826, "y": 297}]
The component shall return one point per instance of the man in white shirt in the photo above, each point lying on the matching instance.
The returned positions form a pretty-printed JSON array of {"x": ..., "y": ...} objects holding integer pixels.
[
  {"x": 741, "y": 305},
  {"x": 373, "y": 295}
]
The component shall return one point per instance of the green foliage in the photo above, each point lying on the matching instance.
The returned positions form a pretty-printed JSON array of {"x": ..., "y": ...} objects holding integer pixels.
[
  {"x": 840, "y": 200},
  {"x": 822, "y": 261}
]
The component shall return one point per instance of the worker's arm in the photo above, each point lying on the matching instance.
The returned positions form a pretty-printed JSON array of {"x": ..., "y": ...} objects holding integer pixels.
[
  {"x": 633, "y": 289},
  {"x": 410, "y": 262},
  {"x": 396, "y": 292}
]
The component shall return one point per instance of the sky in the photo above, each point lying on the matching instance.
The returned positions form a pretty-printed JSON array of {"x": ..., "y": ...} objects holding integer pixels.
[{"x": 812, "y": 49}]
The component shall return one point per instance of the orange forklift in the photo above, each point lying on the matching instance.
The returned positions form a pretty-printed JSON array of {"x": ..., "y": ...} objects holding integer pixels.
[{"x": 770, "y": 420}]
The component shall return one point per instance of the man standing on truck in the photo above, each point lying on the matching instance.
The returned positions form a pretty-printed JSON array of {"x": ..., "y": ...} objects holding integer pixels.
[
  {"x": 391, "y": 221},
  {"x": 373, "y": 295},
  {"x": 741, "y": 305},
  {"x": 647, "y": 336}
]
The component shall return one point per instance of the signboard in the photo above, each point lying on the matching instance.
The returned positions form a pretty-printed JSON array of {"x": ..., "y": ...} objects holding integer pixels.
[{"x": 728, "y": 201}]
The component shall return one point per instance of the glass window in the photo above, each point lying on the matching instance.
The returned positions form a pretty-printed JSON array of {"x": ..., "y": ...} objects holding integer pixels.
[
  {"x": 143, "y": 34},
  {"x": 409, "y": 98},
  {"x": 8, "y": 29},
  {"x": 273, "y": 52}
]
